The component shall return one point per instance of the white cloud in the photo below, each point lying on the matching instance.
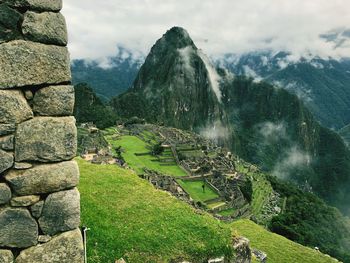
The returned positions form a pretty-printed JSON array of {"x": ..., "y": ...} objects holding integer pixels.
[
  {"x": 212, "y": 74},
  {"x": 224, "y": 26}
]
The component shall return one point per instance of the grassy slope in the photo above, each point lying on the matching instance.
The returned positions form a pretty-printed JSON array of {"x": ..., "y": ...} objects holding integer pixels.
[
  {"x": 278, "y": 248},
  {"x": 132, "y": 145},
  {"x": 128, "y": 217}
]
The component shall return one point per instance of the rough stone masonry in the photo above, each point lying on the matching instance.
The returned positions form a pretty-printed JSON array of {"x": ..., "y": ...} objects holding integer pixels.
[{"x": 39, "y": 201}]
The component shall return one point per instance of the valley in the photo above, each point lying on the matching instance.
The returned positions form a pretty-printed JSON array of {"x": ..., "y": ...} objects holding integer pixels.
[{"x": 241, "y": 192}]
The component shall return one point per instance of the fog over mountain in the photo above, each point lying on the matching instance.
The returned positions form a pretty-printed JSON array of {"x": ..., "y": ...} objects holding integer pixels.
[{"x": 318, "y": 27}]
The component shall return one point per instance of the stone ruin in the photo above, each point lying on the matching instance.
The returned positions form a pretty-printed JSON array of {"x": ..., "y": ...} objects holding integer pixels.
[{"x": 39, "y": 202}]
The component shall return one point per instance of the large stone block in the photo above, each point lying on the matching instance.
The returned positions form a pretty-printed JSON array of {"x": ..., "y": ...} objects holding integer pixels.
[
  {"x": 6, "y": 256},
  {"x": 37, "y": 5},
  {"x": 9, "y": 20},
  {"x": 5, "y": 194},
  {"x": 54, "y": 101},
  {"x": 42, "y": 179},
  {"x": 25, "y": 63},
  {"x": 14, "y": 108},
  {"x": 46, "y": 139},
  {"x": 18, "y": 228},
  {"x": 64, "y": 248},
  {"x": 47, "y": 27},
  {"x": 61, "y": 212},
  {"x": 6, "y": 161}
]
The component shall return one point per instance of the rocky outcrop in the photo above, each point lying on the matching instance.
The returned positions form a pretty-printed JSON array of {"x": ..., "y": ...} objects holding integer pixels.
[
  {"x": 67, "y": 247},
  {"x": 37, "y": 137},
  {"x": 242, "y": 250}
]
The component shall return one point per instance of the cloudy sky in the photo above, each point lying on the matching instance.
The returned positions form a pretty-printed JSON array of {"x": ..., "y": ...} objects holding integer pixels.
[{"x": 97, "y": 27}]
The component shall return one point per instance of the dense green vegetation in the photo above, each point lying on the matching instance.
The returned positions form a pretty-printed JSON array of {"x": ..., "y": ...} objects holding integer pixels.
[
  {"x": 107, "y": 80},
  {"x": 322, "y": 84},
  {"x": 89, "y": 108},
  {"x": 129, "y": 218},
  {"x": 278, "y": 133},
  {"x": 345, "y": 134},
  {"x": 307, "y": 220},
  {"x": 132, "y": 146}
]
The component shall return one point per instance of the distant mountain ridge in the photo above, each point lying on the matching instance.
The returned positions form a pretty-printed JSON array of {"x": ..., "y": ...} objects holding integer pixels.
[
  {"x": 178, "y": 86},
  {"x": 323, "y": 85},
  {"x": 109, "y": 77}
]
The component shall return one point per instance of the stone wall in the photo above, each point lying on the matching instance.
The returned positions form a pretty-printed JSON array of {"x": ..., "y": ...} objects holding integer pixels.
[{"x": 39, "y": 202}]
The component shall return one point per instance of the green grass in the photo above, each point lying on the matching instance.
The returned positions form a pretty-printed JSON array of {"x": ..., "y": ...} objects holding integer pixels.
[
  {"x": 278, "y": 248},
  {"x": 129, "y": 218},
  {"x": 215, "y": 205},
  {"x": 132, "y": 145},
  {"x": 227, "y": 212},
  {"x": 194, "y": 188},
  {"x": 261, "y": 192}
]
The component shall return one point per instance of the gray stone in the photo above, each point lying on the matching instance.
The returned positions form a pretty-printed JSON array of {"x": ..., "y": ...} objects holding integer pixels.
[
  {"x": 37, "y": 209},
  {"x": 65, "y": 248},
  {"x": 27, "y": 200},
  {"x": 18, "y": 229},
  {"x": 14, "y": 108},
  {"x": 25, "y": 63},
  {"x": 243, "y": 253},
  {"x": 54, "y": 101},
  {"x": 7, "y": 128},
  {"x": 6, "y": 161},
  {"x": 47, "y": 27},
  {"x": 7, "y": 143},
  {"x": 61, "y": 212},
  {"x": 46, "y": 139},
  {"x": 5, "y": 194},
  {"x": 22, "y": 166},
  {"x": 6, "y": 256},
  {"x": 37, "y": 5},
  {"x": 44, "y": 238},
  {"x": 28, "y": 94},
  {"x": 46, "y": 178},
  {"x": 9, "y": 19}
]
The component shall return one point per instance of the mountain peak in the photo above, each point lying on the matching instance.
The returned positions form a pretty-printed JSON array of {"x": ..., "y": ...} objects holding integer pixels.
[{"x": 177, "y": 37}]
